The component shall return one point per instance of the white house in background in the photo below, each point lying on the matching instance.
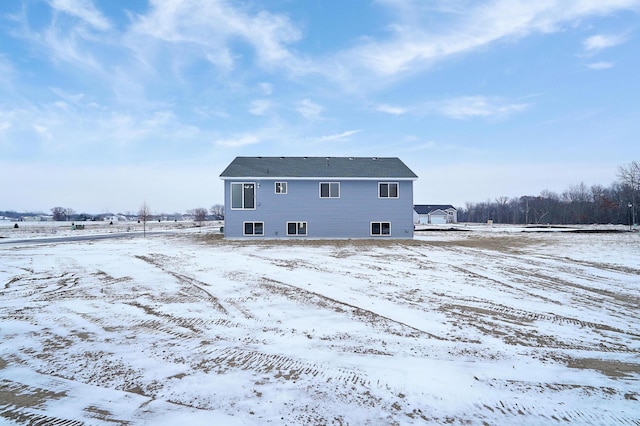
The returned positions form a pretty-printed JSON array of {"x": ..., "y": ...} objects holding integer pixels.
[
  {"x": 114, "y": 218},
  {"x": 436, "y": 214}
]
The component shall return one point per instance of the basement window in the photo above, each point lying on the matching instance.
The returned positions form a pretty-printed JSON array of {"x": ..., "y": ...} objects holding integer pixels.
[
  {"x": 296, "y": 228},
  {"x": 380, "y": 228},
  {"x": 253, "y": 228}
]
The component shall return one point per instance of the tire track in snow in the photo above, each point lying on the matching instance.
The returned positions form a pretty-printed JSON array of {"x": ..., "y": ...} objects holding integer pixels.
[
  {"x": 18, "y": 403},
  {"x": 167, "y": 322},
  {"x": 492, "y": 322},
  {"x": 280, "y": 366},
  {"x": 23, "y": 415},
  {"x": 491, "y": 309},
  {"x": 472, "y": 269},
  {"x": 519, "y": 413},
  {"x": 557, "y": 411},
  {"x": 298, "y": 294},
  {"x": 184, "y": 279},
  {"x": 35, "y": 284}
]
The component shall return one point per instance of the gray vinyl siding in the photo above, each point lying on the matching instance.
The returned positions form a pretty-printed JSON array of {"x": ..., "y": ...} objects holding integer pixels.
[{"x": 348, "y": 216}]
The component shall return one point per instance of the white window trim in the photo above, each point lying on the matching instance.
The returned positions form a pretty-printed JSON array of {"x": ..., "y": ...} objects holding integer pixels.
[
  {"x": 275, "y": 187},
  {"x": 306, "y": 227},
  {"x": 255, "y": 195},
  {"x": 389, "y": 183},
  {"x": 380, "y": 234},
  {"x": 254, "y": 228},
  {"x": 328, "y": 183}
]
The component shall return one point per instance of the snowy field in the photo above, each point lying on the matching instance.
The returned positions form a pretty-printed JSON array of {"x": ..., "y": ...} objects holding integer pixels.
[
  {"x": 497, "y": 327},
  {"x": 65, "y": 229}
]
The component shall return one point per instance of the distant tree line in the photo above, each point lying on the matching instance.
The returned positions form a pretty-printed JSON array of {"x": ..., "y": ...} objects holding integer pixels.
[{"x": 579, "y": 204}]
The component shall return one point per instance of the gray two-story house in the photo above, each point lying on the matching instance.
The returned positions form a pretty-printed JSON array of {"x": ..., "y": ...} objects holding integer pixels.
[{"x": 318, "y": 197}]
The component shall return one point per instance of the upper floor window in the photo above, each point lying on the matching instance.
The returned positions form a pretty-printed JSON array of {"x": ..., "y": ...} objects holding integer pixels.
[
  {"x": 329, "y": 189},
  {"x": 281, "y": 187},
  {"x": 388, "y": 190},
  {"x": 243, "y": 195}
]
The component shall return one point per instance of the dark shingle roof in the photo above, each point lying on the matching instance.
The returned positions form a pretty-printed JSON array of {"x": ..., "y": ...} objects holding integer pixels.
[
  {"x": 428, "y": 208},
  {"x": 318, "y": 167}
]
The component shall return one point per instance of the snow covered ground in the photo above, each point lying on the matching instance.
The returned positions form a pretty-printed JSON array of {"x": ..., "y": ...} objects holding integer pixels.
[
  {"x": 66, "y": 229},
  {"x": 496, "y": 327}
]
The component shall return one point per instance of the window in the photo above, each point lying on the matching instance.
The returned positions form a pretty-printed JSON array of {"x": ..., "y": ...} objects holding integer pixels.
[
  {"x": 243, "y": 196},
  {"x": 296, "y": 228},
  {"x": 388, "y": 190},
  {"x": 253, "y": 228},
  {"x": 380, "y": 228},
  {"x": 281, "y": 187},
  {"x": 329, "y": 189}
]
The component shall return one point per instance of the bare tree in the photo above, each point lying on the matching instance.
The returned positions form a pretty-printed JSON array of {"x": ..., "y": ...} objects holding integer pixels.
[
  {"x": 59, "y": 213},
  {"x": 597, "y": 200},
  {"x": 502, "y": 203},
  {"x": 199, "y": 214},
  {"x": 550, "y": 206},
  {"x": 578, "y": 198},
  {"x": 630, "y": 176},
  {"x": 143, "y": 215},
  {"x": 69, "y": 212},
  {"x": 217, "y": 210}
]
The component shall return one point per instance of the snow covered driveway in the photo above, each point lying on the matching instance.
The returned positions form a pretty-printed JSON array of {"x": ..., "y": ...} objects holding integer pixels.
[{"x": 459, "y": 328}]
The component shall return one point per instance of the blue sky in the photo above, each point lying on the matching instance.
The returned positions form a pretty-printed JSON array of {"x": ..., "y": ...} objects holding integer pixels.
[{"x": 107, "y": 104}]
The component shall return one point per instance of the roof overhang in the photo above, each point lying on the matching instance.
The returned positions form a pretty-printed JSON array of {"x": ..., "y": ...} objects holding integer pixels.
[{"x": 377, "y": 178}]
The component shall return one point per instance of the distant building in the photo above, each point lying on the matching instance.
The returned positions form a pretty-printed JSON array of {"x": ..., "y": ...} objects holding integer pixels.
[
  {"x": 109, "y": 217},
  {"x": 36, "y": 218},
  {"x": 436, "y": 214},
  {"x": 318, "y": 197}
]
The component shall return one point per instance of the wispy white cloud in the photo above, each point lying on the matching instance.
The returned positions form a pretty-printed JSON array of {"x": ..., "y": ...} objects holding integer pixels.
[
  {"x": 208, "y": 112},
  {"x": 65, "y": 46},
  {"x": 65, "y": 41},
  {"x": 69, "y": 97},
  {"x": 42, "y": 130},
  {"x": 600, "y": 65},
  {"x": 74, "y": 42},
  {"x": 259, "y": 106},
  {"x": 215, "y": 25},
  {"x": 339, "y": 136},
  {"x": 69, "y": 131},
  {"x": 390, "y": 109},
  {"x": 474, "y": 106},
  {"x": 221, "y": 58},
  {"x": 599, "y": 42},
  {"x": 309, "y": 109},
  {"x": 7, "y": 72},
  {"x": 238, "y": 140},
  {"x": 461, "y": 107},
  {"x": 412, "y": 45},
  {"x": 83, "y": 9},
  {"x": 4, "y": 125},
  {"x": 266, "y": 88}
]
